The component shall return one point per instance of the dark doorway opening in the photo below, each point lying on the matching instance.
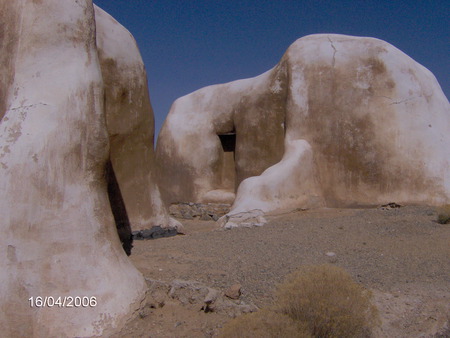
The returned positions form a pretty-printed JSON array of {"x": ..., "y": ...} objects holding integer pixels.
[
  {"x": 228, "y": 141},
  {"x": 228, "y": 166},
  {"x": 118, "y": 209}
]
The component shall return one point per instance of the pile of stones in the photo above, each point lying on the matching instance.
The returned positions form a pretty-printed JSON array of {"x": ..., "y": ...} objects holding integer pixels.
[{"x": 204, "y": 212}]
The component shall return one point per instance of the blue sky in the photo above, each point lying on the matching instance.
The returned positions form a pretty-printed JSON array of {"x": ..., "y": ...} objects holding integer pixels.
[{"x": 187, "y": 45}]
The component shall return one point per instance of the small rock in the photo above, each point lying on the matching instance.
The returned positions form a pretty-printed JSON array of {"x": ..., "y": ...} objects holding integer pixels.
[
  {"x": 211, "y": 296},
  {"x": 242, "y": 219},
  {"x": 234, "y": 291},
  {"x": 332, "y": 258},
  {"x": 144, "y": 312},
  {"x": 205, "y": 217},
  {"x": 389, "y": 206}
]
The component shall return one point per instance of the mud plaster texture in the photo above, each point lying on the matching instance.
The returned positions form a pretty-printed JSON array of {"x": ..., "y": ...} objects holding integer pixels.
[
  {"x": 130, "y": 124},
  {"x": 70, "y": 101},
  {"x": 343, "y": 121}
]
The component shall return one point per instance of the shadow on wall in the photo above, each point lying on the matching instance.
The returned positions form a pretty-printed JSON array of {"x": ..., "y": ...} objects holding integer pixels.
[{"x": 118, "y": 209}]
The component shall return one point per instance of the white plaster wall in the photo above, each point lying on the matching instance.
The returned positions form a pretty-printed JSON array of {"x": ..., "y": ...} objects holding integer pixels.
[
  {"x": 130, "y": 125},
  {"x": 409, "y": 122},
  {"x": 283, "y": 186},
  {"x": 58, "y": 234},
  {"x": 377, "y": 123}
]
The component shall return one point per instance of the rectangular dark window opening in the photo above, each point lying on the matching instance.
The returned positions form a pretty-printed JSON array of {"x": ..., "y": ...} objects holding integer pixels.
[
  {"x": 227, "y": 171},
  {"x": 228, "y": 141}
]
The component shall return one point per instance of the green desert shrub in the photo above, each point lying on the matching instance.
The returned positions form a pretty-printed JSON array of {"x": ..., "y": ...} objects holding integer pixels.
[
  {"x": 444, "y": 214},
  {"x": 264, "y": 324},
  {"x": 328, "y": 301},
  {"x": 316, "y": 301}
]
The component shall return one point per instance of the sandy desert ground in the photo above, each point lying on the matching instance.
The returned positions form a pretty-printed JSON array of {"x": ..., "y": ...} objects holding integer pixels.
[{"x": 401, "y": 254}]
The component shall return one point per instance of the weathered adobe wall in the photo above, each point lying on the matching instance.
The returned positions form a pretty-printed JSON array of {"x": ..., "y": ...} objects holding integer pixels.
[
  {"x": 58, "y": 233},
  {"x": 376, "y": 121},
  {"x": 8, "y": 46},
  {"x": 130, "y": 124},
  {"x": 189, "y": 152}
]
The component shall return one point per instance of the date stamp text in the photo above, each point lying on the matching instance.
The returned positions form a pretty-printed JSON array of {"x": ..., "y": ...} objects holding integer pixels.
[{"x": 64, "y": 301}]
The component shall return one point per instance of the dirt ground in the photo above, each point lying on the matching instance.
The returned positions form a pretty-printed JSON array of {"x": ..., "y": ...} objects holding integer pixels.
[{"x": 401, "y": 254}]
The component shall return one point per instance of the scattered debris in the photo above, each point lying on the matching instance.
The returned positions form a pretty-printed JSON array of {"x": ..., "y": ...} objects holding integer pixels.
[
  {"x": 204, "y": 212},
  {"x": 154, "y": 233},
  {"x": 390, "y": 206},
  {"x": 243, "y": 219},
  {"x": 192, "y": 293}
]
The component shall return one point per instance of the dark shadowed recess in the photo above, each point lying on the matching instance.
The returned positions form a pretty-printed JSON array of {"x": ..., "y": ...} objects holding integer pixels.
[
  {"x": 121, "y": 217},
  {"x": 118, "y": 209},
  {"x": 228, "y": 170},
  {"x": 228, "y": 141}
]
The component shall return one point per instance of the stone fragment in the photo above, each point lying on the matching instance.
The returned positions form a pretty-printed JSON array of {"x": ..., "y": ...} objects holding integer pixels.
[
  {"x": 204, "y": 298},
  {"x": 242, "y": 219},
  {"x": 332, "y": 258},
  {"x": 234, "y": 291},
  {"x": 390, "y": 206}
]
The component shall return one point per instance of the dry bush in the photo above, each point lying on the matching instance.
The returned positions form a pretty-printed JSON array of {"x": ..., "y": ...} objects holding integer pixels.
[
  {"x": 264, "y": 324},
  {"x": 317, "y": 301},
  {"x": 444, "y": 214},
  {"x": 328, "y": 300}
]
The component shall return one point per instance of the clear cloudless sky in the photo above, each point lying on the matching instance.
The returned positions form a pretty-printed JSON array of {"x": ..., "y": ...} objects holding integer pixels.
[{"x": 187, "y": 45}]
